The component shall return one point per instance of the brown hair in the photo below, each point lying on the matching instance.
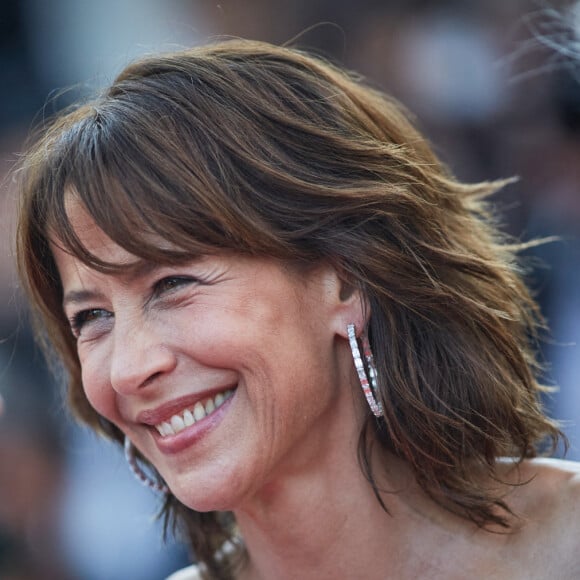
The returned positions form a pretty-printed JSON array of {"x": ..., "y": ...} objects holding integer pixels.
[{"x": 268, "y": 151}]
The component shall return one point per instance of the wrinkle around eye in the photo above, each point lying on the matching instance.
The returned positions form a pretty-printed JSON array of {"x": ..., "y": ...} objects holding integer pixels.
[
  {"x": 171, "y": 283},
  {"x": 169, "y": 290},
  {"x": 89, "y": 323}
]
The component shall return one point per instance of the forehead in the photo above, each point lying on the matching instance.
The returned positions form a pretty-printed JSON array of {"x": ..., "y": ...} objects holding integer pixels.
[
  {"x": 91, "y": 237},
  {"x": 80, "y": 235},
  {"x": 72, "y": 270}
]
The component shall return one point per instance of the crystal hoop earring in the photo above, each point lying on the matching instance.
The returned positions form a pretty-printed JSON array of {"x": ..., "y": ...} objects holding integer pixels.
[
  {"x": 138, "y": 472},
  {"x": 368, "y": 382}
]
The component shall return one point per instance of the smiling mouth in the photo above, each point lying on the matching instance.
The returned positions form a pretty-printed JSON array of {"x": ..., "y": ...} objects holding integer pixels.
[{"x": 192, "y": 415}]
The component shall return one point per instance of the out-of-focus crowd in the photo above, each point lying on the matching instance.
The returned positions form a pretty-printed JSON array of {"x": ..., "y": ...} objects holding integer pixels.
[{"x": 489, "y": 81}]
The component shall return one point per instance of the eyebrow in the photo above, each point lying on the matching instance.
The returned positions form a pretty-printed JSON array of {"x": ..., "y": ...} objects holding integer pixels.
[
  {"x": 80, "y": 296},
  {"x": 137, "y": 269},
  {"x": 133, "y": 270}
]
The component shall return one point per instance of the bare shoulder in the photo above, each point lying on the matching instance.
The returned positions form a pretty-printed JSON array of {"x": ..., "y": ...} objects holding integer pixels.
[
  {"x": 548, "y": 501},
  {"x": 554, "y": 476},
  {"x": 550, "y": 488}
]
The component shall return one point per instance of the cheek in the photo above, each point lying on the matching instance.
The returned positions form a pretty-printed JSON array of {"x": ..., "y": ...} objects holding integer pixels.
[
  {"x": 217, "y": 335},
  {"x": 97, "y": 388}
]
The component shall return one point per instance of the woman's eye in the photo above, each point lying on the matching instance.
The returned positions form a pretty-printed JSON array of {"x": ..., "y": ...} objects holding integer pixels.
[
  {"x": 171, "y": 283},
  {"x": 85, "y": 317}
]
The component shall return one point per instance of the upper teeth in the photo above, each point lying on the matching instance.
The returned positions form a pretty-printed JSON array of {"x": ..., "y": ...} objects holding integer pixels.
[{"x": 188, "y": 417}]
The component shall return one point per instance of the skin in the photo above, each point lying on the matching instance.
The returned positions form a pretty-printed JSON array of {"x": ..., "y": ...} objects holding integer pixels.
[{"x": 283, "y": 450}]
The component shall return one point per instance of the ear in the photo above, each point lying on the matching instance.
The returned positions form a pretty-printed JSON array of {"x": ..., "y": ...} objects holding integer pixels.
[{"x": 348, "y": 304}]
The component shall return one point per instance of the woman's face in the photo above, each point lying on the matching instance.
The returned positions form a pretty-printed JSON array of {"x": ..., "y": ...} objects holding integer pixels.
[{"x": 226, "y": 372}]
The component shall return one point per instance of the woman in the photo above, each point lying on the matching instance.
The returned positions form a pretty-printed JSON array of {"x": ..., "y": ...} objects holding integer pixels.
[{"x": 223, "y": 249}]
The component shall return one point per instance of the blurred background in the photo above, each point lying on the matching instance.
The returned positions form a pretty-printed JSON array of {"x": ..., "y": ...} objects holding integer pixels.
[{"x": 487, "y": 85}]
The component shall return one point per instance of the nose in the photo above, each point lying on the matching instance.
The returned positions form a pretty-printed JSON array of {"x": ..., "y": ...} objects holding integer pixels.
[{"x": 139, "y": 357}]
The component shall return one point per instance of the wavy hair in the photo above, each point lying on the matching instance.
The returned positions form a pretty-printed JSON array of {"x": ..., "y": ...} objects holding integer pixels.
[{"x": 265, "y": 151}]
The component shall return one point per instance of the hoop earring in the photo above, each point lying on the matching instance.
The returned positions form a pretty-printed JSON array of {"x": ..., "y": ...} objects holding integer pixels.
[
  {"x": 368, "y": 382},
  {"x": 138, "y": 472}
]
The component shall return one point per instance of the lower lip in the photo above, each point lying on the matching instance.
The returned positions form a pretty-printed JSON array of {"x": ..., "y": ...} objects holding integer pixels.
[{"x": 173, "y": 444}]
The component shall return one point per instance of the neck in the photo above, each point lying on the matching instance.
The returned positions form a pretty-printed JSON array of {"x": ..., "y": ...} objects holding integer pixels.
[{"x": 326, "y": 522}]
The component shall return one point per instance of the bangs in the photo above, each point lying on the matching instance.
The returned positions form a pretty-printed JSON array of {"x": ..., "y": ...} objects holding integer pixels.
[
  {"x": 171, "y": 164},
  {"x": 131, "y": 198},
  {"x": 158, "y": 198}
]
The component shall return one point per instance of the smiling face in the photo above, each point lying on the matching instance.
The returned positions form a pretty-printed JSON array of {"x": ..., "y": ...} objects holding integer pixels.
[{"x": 226, "y": 372}]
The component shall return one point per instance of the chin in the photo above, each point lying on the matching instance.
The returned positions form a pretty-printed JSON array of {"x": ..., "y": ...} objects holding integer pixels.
[{"x": 208, "y": 494}]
